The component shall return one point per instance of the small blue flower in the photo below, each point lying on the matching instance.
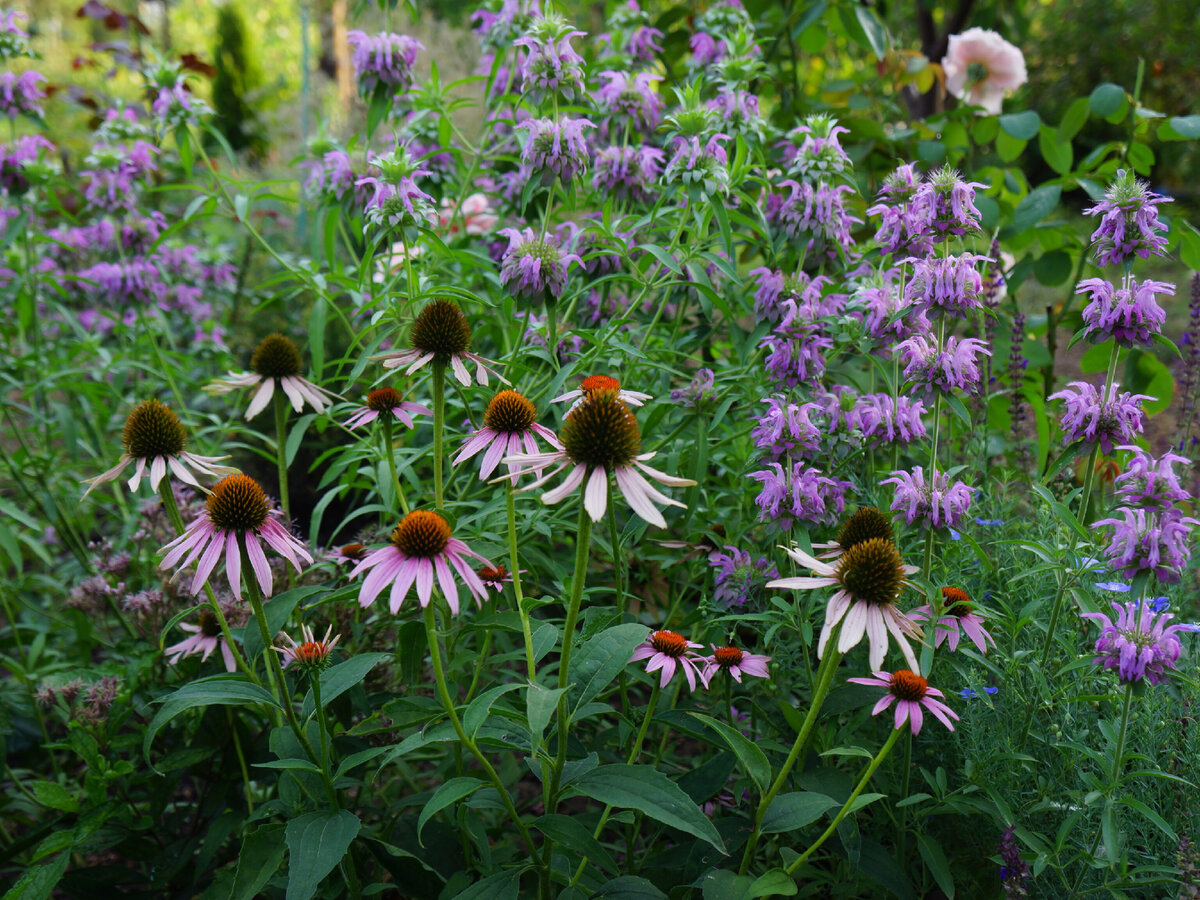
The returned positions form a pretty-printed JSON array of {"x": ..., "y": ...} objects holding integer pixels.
[
  {"x": 979, "y": 521},
  {"x": 954, "y": 535},
  {"x": 970, "y": 694},
  {"x": 1115, "y": 586},
  {"x": 1160, "y": 604}
]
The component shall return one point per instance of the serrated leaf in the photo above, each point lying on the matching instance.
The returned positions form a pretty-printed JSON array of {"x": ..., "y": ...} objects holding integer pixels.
[{"x": 53, "y": 795}]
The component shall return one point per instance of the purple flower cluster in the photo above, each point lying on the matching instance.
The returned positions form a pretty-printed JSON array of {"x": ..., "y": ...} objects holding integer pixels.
[
  {"x": 331, "y": 174},
  {"x": 884, "y": 420},
  {"x": 774, "y": 289},
  {"x": 1150, "y": 482},
  {"x": 14, "y": 41},
  {"x": 737, "y": 110},
  {"x": 812, "y": 151},
  {"x": 946, "y": 284},
  {"x": 1129, "y": 224},
  {"x": 929, "y": 367},
  {"x": 786, "y": 429},
  {"x": 695, "y": 165},
  {"x": 1015, "y": 872},
  {"x": 534, "y": 267},
  {"x": 19, "y": 164},
  {"x": 818, "y": 212},
  {"x": 889, "y": 315},
  {"x": 631, "y": 101},
  {"x": 20, "y": 94},
  {"x": 698, "y": 391},
  {"x": 1139, "y": 644},
  {"x": 936, "y": 503},
  {"x": 629, "y": 173},
  {"x": 384, "y": 58},
  {"x": 550, "y": 64},
  {"x": 632, "y": 35},
  {"x": 903, "y": 230},
  {"x": 396, "y": 201},
  {"x": 1093, "y": 415},
  {"x": 740, "y": 579},
  {"x": 947, "y": 203},
  {"x": 556, "y": 149},
  {"x": 1128, "y": 314},
  {"x": 799, "y": 493}
]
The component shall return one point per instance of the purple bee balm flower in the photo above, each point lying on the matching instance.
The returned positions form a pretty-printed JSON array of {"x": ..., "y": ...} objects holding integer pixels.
[
  {"x": 936, "y": 503},
  {"x": 786, "y": 429},
  {"x": 886, "y": 420},
  {"x": 20, "y": 94},
  {"x": 669, "y": 652},
  {"x": 796, "y": 355},
  {"x": 958, "y": 618},
  {"x": 737, "y": 111},
  {"x": 947, "y": 203},
  {"x": 930, "y": 368},
  {"x": 1090, "y": 415},
  {"x": 812, "y": 151},
  {"x": 815, "y": 211},
  {"x": 905, "y": 228},
  {"x": 384, "y": 58},
  {"x": 551, "y": 64},
  {"x": 534, "y": 267},
  {"x": 774, "y": 288},
  {"x": 331, "y": 175},
  {"x": 1129, "y": 314},
  {"x": 911, "y": 693},
  {"x": 1149, "y": 482},
  {"x": 13, "y": 40},
  {"x": 556, "y": 149},
  {"x": 633, "y": 100},
  {"x": 1129, "y": 224},
  {"x": 1139, "y": 644},
  {"x": 19, "y": 163},
  {"x": 396, "y": 201},
  {"x": 946, "y": 284},
  {"x": 799, "y": 492},
  {"x": 889, "y": 315},
  {"x": 698, "y": 391},
  {"x": 739, "y": 580},
  {"x": 706, "y": 50},
  {"x": 735, "y": 662},
  {"x": 704, "y": 166},
  {"x": 629, "y": 173},
  {"x": 420, "y": 548},
  {"x": 1149, "y": 540}
]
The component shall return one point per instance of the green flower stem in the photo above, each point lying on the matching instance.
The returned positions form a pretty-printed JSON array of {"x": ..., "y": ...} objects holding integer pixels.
[
  {"x": 314, "y": 681},
  {"x": 615, "y": 542},
  {"x": 390, "y": 455},
  {"x": 845, "y": 810},
  {"x": 241, "y": 757},
  {"x": 465, "y": 740},
  {"x": 933, "y": 454},
  {"x": 583, "y": 540},
  {"x": 825, "y": 673},
  {"x": 552, "y": 331},
  {"x": 173, "y": 513},
  {"x": 1114, "y": 780},
  {"x": 514, "y": 563},
  {"x": 633, "y": 755},
  {"x": 281, "y": 408},
  {"x": 439, "y": 421}
]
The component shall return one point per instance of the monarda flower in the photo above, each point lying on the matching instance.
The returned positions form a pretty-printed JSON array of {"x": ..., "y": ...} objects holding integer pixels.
[
  {"x": 441, "y": 334},
  {"x": 740, "y": 579},
  {"x": 812, "y": 151},
  {"x": 817, "y": 212},
  {"x": 958, "y": 618},
  {"x": 421, "y": 547},
  {"x": 154, "y": 438},
  {"x": 14, "y": 41},
  {"x": 697, "y": 392},
  {"x": 1091, "y": 415},
  {"x": 700, "y": 167},
  {"x": 1129, "y": 224},
  {"x": 774, "y": 289},
  {"x": 738, "y": 112},
  {"x": 1129, "y": 314},
  {"x": 947, "y": 203},
  {"x": 310, "y": 655},
  {"x": 981, "y": 67},
  {"x": 911, "y": 693},
  {"x": 735, "y": 662},
  {"x": 904, "y": 228},
  {"x": 534, "y": 267},
  {"x": 601, "y": 436},
  {"x": 550, "y": 64},
  {"x": 786, "y": 429},
  {"x": 632, "y": 33},
  {"x": 889, "y": 315},
  {"x": 928, "y": 367},
  {"x": 556, "y": 149},
  {"x": 384, "y": 58},
  {"x": 509, "y": 426},
  {"x": 868, "y": 576},
  {"x": 386, "y": 401},
  {"x": 276, "y": 362},
  {"x": 669, "y": 652},
  {"x": 629, "y": 173},
  {"x": 799, "y": 492},
  {"x": 1150, "y": 482},
  {"x": 936, "y": 503},
  {"x": 237, "y": 511},
  {"x": 884, "y": 420},
  {"x": 1139, "y": 644},
  {"x": 1149, "y": 541},
  {"x": 946, "y": 284},
  {"x": 396, "y": 201},
  {"x": 630, "y": 100},
  {"x": 20, "y": 94}
]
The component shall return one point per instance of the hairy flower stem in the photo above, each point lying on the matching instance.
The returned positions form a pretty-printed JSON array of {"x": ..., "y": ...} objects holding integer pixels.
[
  {"x": 439, "y": 421},
  {"x": 281, "y": 404},
  {"x": 390, "y": 455},
  {"x": 172, "y": 507},
  {"x": 552, "y": 331},
  {"x": 845, "y": 810},
  {"x": 439, "y": 675},
  {"x": 933, "y": 454},
  {"x": 514, "y": 562},
  {"x": 1114, "y": 781},
  {"x": 314, "y": 681},
  {"x": 583, "y": 539},
  {"x": 824, "y": 680}
]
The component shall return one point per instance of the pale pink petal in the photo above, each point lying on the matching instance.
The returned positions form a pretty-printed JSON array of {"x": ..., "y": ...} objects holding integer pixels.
[
  {"x": 663, "y": 477},
  {"x": 182, "y": 472},
  {"x": 884, "y": 702},
  {"x": 446, "y": 583},
  {"x": 424, "y": 580},
  {"x": 227, "y": 655},
  {"x": 208, "y": 561},
  {"x": 138, "y": 472},
  {"x": 233, "y": 564},
  {"x": 940, "y": 710},
  {"x": 916, "y": 716},
  {"x": 564, "y": 490},
  {"x": 901, "y": 713},
  {"x": 261, "y": 398},
  {"x": 381, "y": 573},
  {"x": 853, "y": 627},
  {"x": 292, "y": 389},
  {"x": 158, "y": 468},
  {"x": 460, "y": 371},
  {"x": 405, "y": 576},
  {"x": 633, "y": 489},
  {"x": 258, "y": 562},
  {"x": 595, "y": 495}
]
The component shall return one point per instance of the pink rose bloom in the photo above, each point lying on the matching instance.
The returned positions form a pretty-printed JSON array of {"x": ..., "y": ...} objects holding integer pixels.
[
  {"x": 477, "y": 215},
  {"x": 981, "y": 66}
]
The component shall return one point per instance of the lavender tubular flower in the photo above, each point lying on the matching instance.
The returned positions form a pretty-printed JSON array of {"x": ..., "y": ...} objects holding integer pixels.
[
  {"x": 905, "y": 228},
  {"x": 818, "y": 212},
  {"x": 1129, "y": 314},
  {"x": 550, "y": 64},
  {"x": 889, "y": 315},
  {"x": 633, "y": 100},
  {"x": 884, "y": 420},
  {"x": 693, "y": 165},
  {"x": 786, "y": 429},
  {"x": 740, "y": 579},
  {"x": 629, "y": 173},
  {"x": 1139, "y": 644},
  {"x": 384, "y": 58},
  {"x": 947, "y": 203},
  {"x": 800, "y": 493},
  {"x": 698, "y": 391},
  {"x": 20, "y": 94},
  {"x": 1129, "y": 224},
  {"x": 775, "y": 289},
  {"x": 533, "y": 267},
  {"x": 930, "y": 368},
  {"x": 1092, "y": 415},
  {"x": 950, "y": 284},
  {"x": 1149, "y": 482},
  {"x": 936, "y": 503},
  {"x": 812, "y": 151},
  {"x": 556, "y": 149},
  {"x": 1148, "y": 540}
]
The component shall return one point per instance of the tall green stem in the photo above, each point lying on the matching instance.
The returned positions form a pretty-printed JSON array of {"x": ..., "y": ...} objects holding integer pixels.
[
  {"x": 845, "y": 810},
  {"x": 281, "y": 408},
  {"x": 314, "y": 681},
  {"x": 552, "y": 332},
  {"x": 439, "y": 420},
  {"x": 390, "y": 455},
  {"x": 514, "y": 563}
]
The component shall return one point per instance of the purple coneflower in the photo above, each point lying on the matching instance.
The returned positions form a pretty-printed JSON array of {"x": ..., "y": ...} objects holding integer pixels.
[
  {"x": 509, "y": 426},
  {"x": 276, "y": 361},
  {"x": 958, "y": 618},
  {"x": 1139, "y": 644},
  {"x": 236, "y": 512},
  {"x": 601, "y": 436},
  {"x": 205, "y": 637},
  {"x": 936, "y": 503},
  {"x": 1129, "y": 224},
  {"x": 668, "y": 651},
  {"x": 911, "y": 693},
  {"x": 441, "y": 334},
  {"x": 534, "y": 267},
  {"x": 1092, "y": 415},
  {"x": 868, "y": 576},
  {"x": 382, "y": 401},
  {"x": 1128, "y": 314},
  {"x": 735, "y": 662},
  {"x": 154, "y": 438},
  {"x": 421, "y": 547},
  {"x": 593, "y": 384},
  {"x": 310, "y": 655}
]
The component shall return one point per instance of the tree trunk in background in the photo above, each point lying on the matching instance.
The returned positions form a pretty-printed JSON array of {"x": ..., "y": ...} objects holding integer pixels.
[{"x": 345, "y": 71}]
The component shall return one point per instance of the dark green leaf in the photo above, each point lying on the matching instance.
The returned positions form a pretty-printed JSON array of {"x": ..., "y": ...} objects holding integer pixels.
[
  {"x": 262, "y": 852},
  {"x": 1055, "y": 151},
  {"x": 53, "y": 795},
  {"x": 873, "y": 29},
  {"x": 1106, "y": 99},
  {"x": 1035, "y": 206},
  {"x": 935, "y": 861},
  {"x": 316, "y": 842},
  {"x": 791, "y": 811},
  {"x": 478, "y": 709},
  {"x": 540, "y": 703},
  {"x": 278, "y": 609},
  {"x": 1053, "y": 268},
  {"x": 630, "y": 887},
  {"x": 753, "y": 760},
  {"x": 1073, "y": 119},
  {"x": 1008, "y": 147},
  {"x": 338, "y": 679},
  {"x": 451, "y": 792},
  {"x": 1023, "y": 125},
  {"x": 576, "y": 837},
  {"x": 601, "y": 659},
  {"x": 38, "y": 882},
  {"x": 501, "y": 886},
  {"x": 220, "y": 690}
]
